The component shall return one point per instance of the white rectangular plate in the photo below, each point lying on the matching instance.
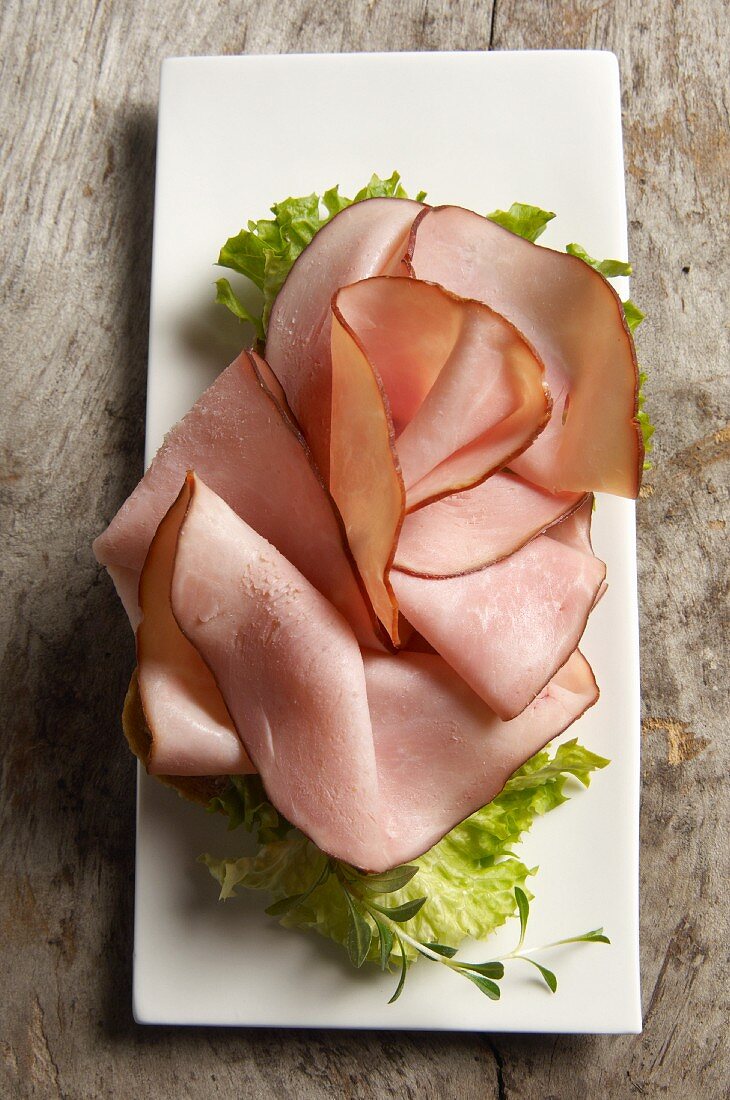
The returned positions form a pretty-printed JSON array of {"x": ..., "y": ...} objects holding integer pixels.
[{"x": 479, "y": 130}]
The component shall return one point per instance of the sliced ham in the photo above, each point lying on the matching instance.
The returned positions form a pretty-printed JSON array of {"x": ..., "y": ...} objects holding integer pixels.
[
  {"x": 508, "y": 628},
  {"x": 453, "y": 381},
  {"x": 290, "y": 670},
  {"x": 465, "y": 391},
  {"x": 574, "y": 529},
  {"x": 467, "y": 531},
  {"x": 574, "y": 320},
  {"x": 442, "y": 753},
  {"x": 365, "y": 239},
  {"x": 365, "y": 477},
  {"x": 261, "y": 595},
  {"x": 374, "y": 757},
  {"x": 191, "y": 729},
  {"x": 240, "y": 439}
]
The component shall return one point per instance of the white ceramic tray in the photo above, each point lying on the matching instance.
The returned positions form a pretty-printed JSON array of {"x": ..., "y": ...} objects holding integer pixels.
[{"x": 480, "y": 130}]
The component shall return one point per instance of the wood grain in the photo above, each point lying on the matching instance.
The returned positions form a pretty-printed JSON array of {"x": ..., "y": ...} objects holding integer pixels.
[{"x": 77, "y": 131}]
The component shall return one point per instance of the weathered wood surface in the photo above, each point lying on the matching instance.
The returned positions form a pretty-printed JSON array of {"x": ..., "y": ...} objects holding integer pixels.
[{"x": 77, "y": 133}]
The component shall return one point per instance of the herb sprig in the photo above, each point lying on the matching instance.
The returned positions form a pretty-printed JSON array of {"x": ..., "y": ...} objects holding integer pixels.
[
  {"x": 383, "y": 917},
  {"x": 369, "y": 920}
]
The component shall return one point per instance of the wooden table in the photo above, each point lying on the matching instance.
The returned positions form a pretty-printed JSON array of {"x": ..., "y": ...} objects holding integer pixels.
[{"x": 77, "y": 126}]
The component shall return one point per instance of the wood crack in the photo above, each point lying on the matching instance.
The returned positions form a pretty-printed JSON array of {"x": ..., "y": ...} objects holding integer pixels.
[
  {"x": 499, "y": 1063},
  {"x": 44, "y": 1069}
]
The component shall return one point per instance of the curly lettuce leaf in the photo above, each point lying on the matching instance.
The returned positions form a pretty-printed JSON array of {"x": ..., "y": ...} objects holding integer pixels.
[
  {"x": 608, "y": 268},
  {"x": 469, "y": 877},
  {"x": 244, "y": 803},
  {"x": 647, "y": 428},
  {"x": 633, "y": 315},
  {"x": 265, "y": 251},
  {"x": 524, "y": 220}
]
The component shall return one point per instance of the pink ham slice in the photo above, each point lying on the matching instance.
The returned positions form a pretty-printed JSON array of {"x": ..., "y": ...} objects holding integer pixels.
[
  {"x": 365, "y": 239},
  {"x": 242, "y": 442},
  {"x": 442, "y": 753},
  {"x": 458, "y": 383},
  {"x": 192, "y": 732},
  {"x": 467, "y": 531},
  {"x": 575, "y": 321},
  {"x": 375, "y": 758},
  {"x": 575, "y": 531},
  {"x": 365, "y": 477},
  {"x": 465, "y": 392},
  {"x": 575, "y": 527},
  {"x": 290, "y": 671},
  {"x": 508, "y": 628}
]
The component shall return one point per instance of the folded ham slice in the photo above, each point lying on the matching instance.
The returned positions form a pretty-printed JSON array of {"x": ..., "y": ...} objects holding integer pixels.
[
  {"x": 465, "y": 391},
  {"x": 467, "y": 531},
  {"x": 410, "y": 345},
  {"x": 365, "y": 475},
  {"x": 191, "y": 729},
  {"x": 442, "y": 753},
  {"x": 574, "y": 529},
  {"x": 374, "y": 757},
  {"x": 241, "y": 440},
  {"x": 429, "y": 393},
  {"x": 289, "y": 669},
  {"x": 508, "y": 628},
  {"x": 365, "y": 239},
  {"x": 575, "y": 321}
]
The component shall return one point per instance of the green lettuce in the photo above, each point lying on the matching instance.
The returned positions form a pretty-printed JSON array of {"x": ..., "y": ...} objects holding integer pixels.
[
  {"x": 265, "y": 251},
  {"x": 608, "y": 268},
  {"x": 524, "y": 220},
  {"x": 469, "y": 877}
]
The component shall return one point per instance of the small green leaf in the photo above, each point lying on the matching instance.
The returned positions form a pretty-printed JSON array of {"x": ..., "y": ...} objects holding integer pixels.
[
  {"x": 283, "y": 905},
  {"x": 389, "y": 188},
  {"x": 607, "y": 268},
  {"x": 523, "y": 906},
  {"x": 385, "y": 938},
  {"x": 389, "y": 881},
  {"x": 633, "y": 315},
  {"x": 245, "y": 804},
  {"x": 225, "y": 297},
  {"x": 403, "y": 970},
  {"x": 334, "y": 202},
  {"x": 548, "y": 977},
  {"x": 523, "y": 220},
  {"x": 487, "y": 969},
  {"x": 491, "y": 989},
  {"x": 359, "y": 932},
  {"x": 246, "y": 254},
  {"x": 401, "y": 913},
  {"x": 597, "y": 936},
  {"x": 442, "y": 949},
  {"x": 570, "y": 759}
]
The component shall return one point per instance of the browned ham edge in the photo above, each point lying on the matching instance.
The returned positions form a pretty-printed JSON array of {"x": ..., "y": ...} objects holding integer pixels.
[
  {"x": 365, "y": 475},
  {"x": 541, "y": 291},
  {"x": 243, "y": 441},
  {"x": 456, "y": 535},
  {"x": 364, "y": 239}
]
